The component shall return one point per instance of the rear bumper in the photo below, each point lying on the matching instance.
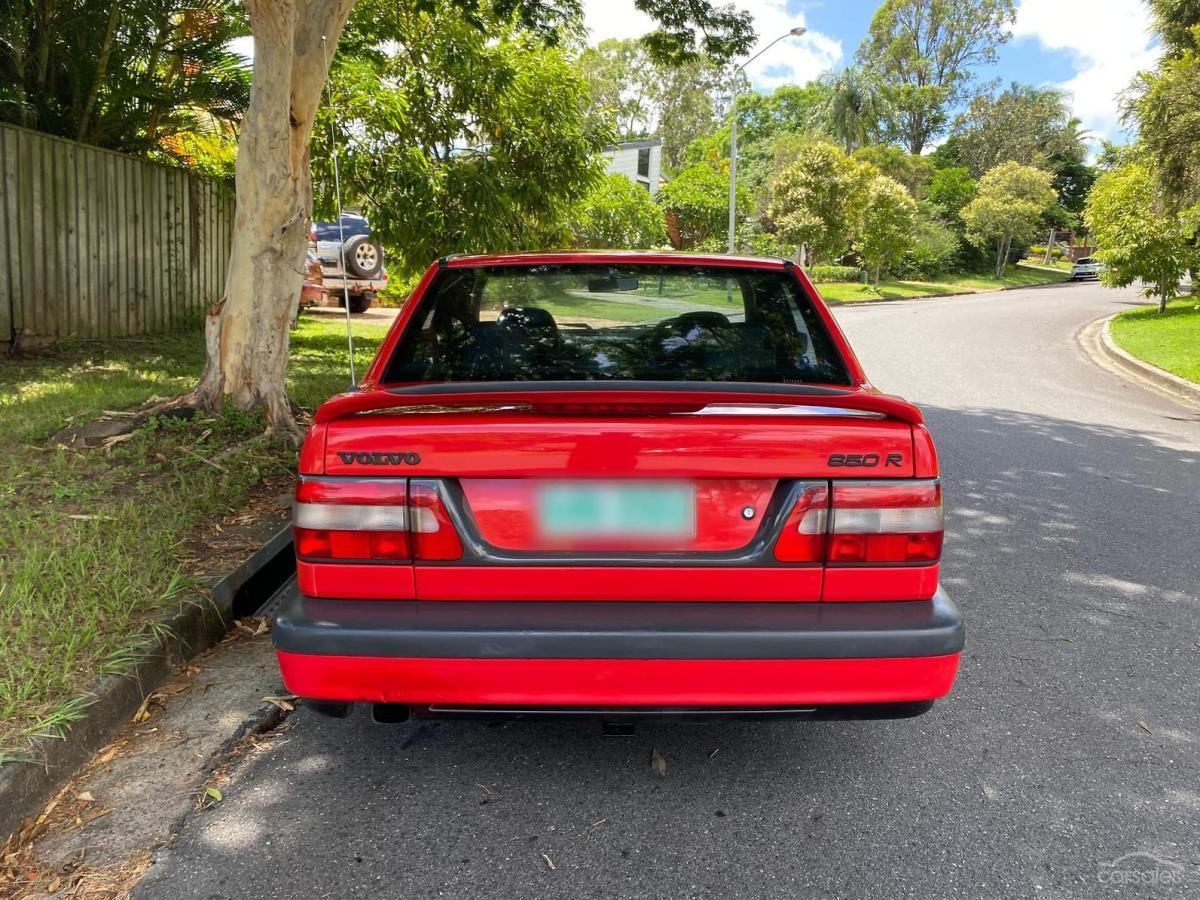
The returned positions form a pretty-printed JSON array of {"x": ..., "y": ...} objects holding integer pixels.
[{"x": 496, "y": 653}]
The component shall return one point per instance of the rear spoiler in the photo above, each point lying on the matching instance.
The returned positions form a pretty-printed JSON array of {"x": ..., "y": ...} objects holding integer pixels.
[{"x": 693, "y": 395}]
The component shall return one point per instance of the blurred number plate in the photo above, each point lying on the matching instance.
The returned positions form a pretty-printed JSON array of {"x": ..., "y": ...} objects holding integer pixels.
[{"x": 617, "y": 510}]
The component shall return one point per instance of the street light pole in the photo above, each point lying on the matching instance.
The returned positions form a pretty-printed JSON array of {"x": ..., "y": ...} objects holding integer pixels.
[{"x": 799, "y": 31}]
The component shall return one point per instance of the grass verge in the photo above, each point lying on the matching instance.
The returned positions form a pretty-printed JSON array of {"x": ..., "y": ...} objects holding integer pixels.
[
  {"x": 1015, "y": 277},
  {"x": 1170, "y": 341},
  {"x": 94, "y": 544}
]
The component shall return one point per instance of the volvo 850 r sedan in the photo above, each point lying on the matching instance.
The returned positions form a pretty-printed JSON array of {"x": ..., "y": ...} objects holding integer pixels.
[{"x": 618, "y": 483}]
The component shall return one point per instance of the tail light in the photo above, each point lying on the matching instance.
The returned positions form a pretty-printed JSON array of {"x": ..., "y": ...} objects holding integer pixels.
[
  {"x": 434, "y": 535},
  {"x": 804, "y": 537},
  {"x": 381, "y": 520},
  {"x": 867, "y": 523},
  {"x": 886, "y": 522}
]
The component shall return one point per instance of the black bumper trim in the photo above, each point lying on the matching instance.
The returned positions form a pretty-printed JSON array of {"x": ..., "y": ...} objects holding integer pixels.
[{"x": 618, "y": 629}]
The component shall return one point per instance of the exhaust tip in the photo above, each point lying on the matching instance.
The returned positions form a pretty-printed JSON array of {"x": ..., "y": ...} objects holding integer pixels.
[{"x": 389, "y": 713}]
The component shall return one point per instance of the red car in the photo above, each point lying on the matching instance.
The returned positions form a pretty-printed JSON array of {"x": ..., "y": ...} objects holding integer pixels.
[{"x": 618, "y": 483}]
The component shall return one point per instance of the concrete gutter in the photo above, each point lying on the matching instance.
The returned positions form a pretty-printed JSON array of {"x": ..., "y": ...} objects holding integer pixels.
[
  {"x": 1097, "y": 342},
  {"x": 197, "y": 625}
]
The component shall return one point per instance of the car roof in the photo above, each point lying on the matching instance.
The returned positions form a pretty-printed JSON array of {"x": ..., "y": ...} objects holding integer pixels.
[{"x": 616, "y": 257}]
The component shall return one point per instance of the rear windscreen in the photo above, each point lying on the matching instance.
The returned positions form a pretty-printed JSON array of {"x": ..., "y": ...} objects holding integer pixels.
[{"x": 603, "y": 322}]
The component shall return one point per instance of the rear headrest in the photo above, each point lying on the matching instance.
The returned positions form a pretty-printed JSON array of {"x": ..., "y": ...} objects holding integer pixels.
[{"x": 526, "y": 318}]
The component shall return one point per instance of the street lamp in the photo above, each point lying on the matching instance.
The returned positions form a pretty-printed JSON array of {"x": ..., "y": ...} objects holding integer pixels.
[{"x": 798, "y": 31}]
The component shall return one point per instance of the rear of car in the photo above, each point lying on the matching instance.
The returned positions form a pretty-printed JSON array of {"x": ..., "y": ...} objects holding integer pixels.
[
  {"x": 1086, "y": 268},
  {"x": 351, "y": 262},
  {"x": 600, "y": 482}
]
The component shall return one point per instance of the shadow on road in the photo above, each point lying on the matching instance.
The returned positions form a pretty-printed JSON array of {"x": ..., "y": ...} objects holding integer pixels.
[{"x": 1070, "y": 740}]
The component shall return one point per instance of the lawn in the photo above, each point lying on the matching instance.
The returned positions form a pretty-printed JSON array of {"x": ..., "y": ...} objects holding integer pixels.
[
  {"x": 1016, "y": 276},
  {"x": 1170, "y": 341},
  {"x": 92, "y": 542}
]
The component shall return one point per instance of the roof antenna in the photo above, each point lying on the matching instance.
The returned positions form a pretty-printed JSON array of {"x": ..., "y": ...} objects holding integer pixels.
[{"x": 337, "y": 190}]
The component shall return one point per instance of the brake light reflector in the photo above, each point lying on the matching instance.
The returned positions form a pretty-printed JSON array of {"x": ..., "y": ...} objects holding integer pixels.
[{"x": 886, "y": 522}]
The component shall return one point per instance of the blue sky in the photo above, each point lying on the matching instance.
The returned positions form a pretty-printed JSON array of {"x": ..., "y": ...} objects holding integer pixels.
[{"x": 1091, "y": 48}]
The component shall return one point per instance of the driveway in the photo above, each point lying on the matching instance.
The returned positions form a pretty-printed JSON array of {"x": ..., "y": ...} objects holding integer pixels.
[{"x": 1070, "y": 742}]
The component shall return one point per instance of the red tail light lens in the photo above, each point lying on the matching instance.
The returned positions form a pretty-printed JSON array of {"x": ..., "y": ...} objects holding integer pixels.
[
  {"x": 804, "y": 537},
  {"x": 352, "y": 520},
  {"x": 886, "y": 522},
  {"x": 434, "y": 536}
]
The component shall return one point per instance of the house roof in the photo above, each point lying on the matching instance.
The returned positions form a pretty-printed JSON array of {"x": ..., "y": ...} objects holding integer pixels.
[{"x": 635, "y": 145}]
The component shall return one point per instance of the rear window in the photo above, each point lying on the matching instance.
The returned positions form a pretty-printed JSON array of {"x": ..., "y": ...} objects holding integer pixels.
[
  {"x": 603, "y": 322},
  {"x": 350, "y": 226}
]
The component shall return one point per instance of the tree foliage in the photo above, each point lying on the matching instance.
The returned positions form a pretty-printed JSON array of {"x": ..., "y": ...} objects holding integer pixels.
[
  {"x": 884, "y": 222},
  {"x": 1139, "y": 235},
  {"x": 924, "y": 49},
  {"x": 676, "y": 101},
  {"x": 855, "y": 109},
  {"x": 456, "y": 139},
  {"x": 1009, "y": 204},
  {"x": 622, "y": 79},
  {"x": 697, "y": 202},
  {"x": 1165, "y": 105},
  {"x": 1023, "y": 124},
  {"x": 619, "y": 214},
  {"x": 948, "y": 191},
  {"x": 815, "y": 200},
  {"x": 911, "y": 171},
  {"x": 137, "y": 76},
  {"x": 691, "y": 29}
]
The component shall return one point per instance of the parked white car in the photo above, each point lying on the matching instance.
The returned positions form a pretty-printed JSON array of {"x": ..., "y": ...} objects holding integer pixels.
[{"x": 1086, "y": 267}]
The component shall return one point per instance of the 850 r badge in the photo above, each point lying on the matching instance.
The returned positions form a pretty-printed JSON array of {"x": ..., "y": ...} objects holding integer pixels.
[
  {"x": 863, "y": 460},
  {"x": 380, "y": 459}
]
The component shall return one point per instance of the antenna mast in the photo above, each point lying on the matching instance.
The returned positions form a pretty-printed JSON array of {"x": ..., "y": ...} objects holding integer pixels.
[{"x": 337, "y": 190}]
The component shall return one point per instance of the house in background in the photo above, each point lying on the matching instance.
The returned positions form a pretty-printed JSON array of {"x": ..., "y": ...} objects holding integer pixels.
[{"x": 639, "y": 161}]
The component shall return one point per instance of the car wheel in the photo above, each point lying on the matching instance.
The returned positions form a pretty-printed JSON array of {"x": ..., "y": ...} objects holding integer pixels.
[
  {"x": 364, "y": 257},
  {"x": 360, "y": 303}
]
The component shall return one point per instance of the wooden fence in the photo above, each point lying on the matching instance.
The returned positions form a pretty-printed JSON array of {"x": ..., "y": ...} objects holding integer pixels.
[{"x": 96, "y": 244}]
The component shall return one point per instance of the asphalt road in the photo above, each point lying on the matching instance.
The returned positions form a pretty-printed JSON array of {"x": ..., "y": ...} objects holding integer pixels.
[{"x": 1071, "y": 739}]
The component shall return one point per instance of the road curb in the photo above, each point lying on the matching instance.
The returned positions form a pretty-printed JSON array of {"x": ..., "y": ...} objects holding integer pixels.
[
  {"x": 1097, "y": 342},
  {"x": 195, "y": 626},
  {"x": 832, "y": 304}
]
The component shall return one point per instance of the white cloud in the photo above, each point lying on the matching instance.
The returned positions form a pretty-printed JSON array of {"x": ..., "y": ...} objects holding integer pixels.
[
  {"x": 792, "y": 61},
  {"x": 1110, "y": 42}
]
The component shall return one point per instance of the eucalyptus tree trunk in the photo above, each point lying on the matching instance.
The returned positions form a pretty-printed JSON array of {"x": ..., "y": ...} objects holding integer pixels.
[{"x": 246, "y": 331}]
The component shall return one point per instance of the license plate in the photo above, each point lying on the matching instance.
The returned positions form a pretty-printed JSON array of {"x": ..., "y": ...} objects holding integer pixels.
[{"x": 617, "y": 510}]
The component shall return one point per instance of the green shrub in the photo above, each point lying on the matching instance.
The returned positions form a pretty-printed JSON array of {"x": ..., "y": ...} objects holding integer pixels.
[
  {"x": 935, "y": 253},
  {"x": 826, "y": 274},
  {"x": 1038, "y": 251}
]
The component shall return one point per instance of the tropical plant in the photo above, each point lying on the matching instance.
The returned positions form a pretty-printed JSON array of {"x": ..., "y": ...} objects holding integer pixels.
[
  {"x": 140, "y": 76},
  {"x": 856, "y": 109}
]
